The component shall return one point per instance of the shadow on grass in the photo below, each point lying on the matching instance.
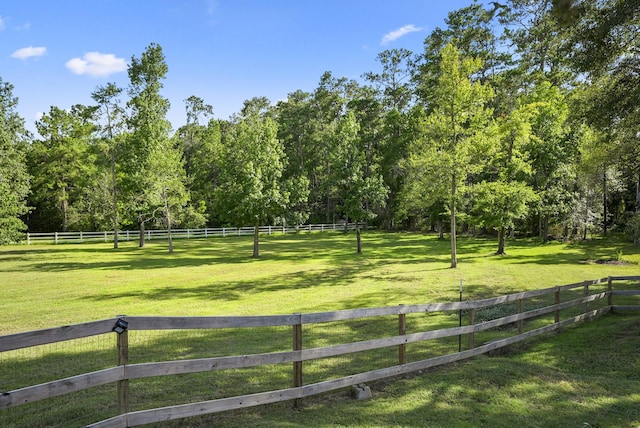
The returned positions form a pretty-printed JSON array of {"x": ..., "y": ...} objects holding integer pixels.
[{"x": 392, "y": 247}]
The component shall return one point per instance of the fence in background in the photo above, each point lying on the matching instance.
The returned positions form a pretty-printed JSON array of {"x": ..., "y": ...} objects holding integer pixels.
[
  {"x": 398, "y": 334},
  {"x": 208, "y": 232}
]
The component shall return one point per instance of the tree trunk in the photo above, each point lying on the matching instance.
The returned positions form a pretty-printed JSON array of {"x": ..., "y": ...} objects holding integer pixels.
[
  {"x": 256, "y": 240},
  {"x": 540, "y": 225},
  {"x": 115, "y": 199},
  {"x": 454, "y": 255},
  {"x": 636, "y": 232},
  {"x": 586, "y": 217},
  {"x": 141, "y": 241},
  {"x": 604, "y": 203},
  {"x": 501, "y": 235},
  {"x": 440, "y": 226},
  {"x": 358, "y": 240},
  {"x": 545, "y": 229},
  {"x": 65, "y": 210},
  {"x": 168, "y": 214}
]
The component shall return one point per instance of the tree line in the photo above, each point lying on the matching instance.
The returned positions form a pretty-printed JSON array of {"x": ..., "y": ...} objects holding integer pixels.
[{"x": 518, "y": 118}]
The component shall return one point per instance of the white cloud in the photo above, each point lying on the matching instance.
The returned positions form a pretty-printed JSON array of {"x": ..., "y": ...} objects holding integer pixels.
[
  {"x": 29, "y": 52},
  {"x": 97, "y": 64},
  {"x": 2, "y": 24},
  {"x": 396, "y": 34}
]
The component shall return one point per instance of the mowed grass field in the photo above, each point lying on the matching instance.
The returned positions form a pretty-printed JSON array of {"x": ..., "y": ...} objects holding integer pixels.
[
  {"x": 52, "y": 285},
  {"x": 587, "y": 376}
]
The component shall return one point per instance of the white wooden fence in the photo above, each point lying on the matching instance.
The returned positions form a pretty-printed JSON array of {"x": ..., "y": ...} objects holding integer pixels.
[{"x": 151, "y": 234}]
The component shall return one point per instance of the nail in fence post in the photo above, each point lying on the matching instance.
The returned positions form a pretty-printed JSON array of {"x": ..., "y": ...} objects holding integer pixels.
[
  {"x": 402, "y": 330},
  {"x": 297, "y": 365}
]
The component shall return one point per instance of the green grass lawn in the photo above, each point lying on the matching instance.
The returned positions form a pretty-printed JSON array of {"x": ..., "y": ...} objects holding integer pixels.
[
  {"x": 586, "y": 375},
  {"x": 52, "y": 285}
]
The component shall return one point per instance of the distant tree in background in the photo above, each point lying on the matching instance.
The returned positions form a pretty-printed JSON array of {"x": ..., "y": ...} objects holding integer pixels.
[
  {"x": 14, "y": 178},
  {"x": 360, "y": 188},
  {"x": 251, "y": 190},
  {"x": 454, "y": 140},
  {"x": 113, "y": 121},
  {"x": 62, "y": 163},
  {"x": 156, "y": 175}
]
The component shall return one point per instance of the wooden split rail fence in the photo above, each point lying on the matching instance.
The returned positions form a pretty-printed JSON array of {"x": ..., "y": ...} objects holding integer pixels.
[{"x": 583, "y": 307}]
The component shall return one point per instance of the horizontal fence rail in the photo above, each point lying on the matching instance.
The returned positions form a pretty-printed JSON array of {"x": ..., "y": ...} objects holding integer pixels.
[
  {"x": 156, "y": 234},
  {"x": 583, "y": 300}
]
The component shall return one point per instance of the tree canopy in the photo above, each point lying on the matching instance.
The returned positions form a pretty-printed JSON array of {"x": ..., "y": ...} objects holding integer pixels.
[{"x": 519, "y": 118}]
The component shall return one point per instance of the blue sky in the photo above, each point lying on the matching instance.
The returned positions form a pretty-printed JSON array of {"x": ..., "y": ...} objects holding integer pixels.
[{"x": 224, "y": 51}]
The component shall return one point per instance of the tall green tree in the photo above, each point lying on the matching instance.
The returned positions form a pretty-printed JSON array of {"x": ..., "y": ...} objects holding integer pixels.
[
  {"x": 111, "y": 129},
  {"x": 63, "y": 166},
  {"x": 454, "y": 131},
  {"x": 199, "y": 139},
  {"x": 505, "y": 193},
  {"x": 391, "y": 128},
  {"x": 360, "y": 187},
  {"x": 604, "y": 47},
  {"x": 251, "y": 190},
  {"x": 537, "y": 38},
  {"x": 394, "y": 80},
  {"x": 191, "y": 135},
  {"x": 328, "y": 106},
  {"x": 470, "y": 30},
  {"x": 14, "y": 178},
  {"x": 154, "y": 167},
  {"x": 552, "y": 153}
]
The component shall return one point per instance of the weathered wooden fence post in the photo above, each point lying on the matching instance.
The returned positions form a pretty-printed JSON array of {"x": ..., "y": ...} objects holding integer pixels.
[
  {"x": 557, "y": 302},
  {"x": 520, "y": 310},
  {"x": 586, "y": 293},
  {"x": 609, "y": 296},
  {"x": 402, "y": 330},
  {"x": 123, "y": 360},
  {"x": 297, "y": 365},
  {"x": 472, "y": 321}
]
